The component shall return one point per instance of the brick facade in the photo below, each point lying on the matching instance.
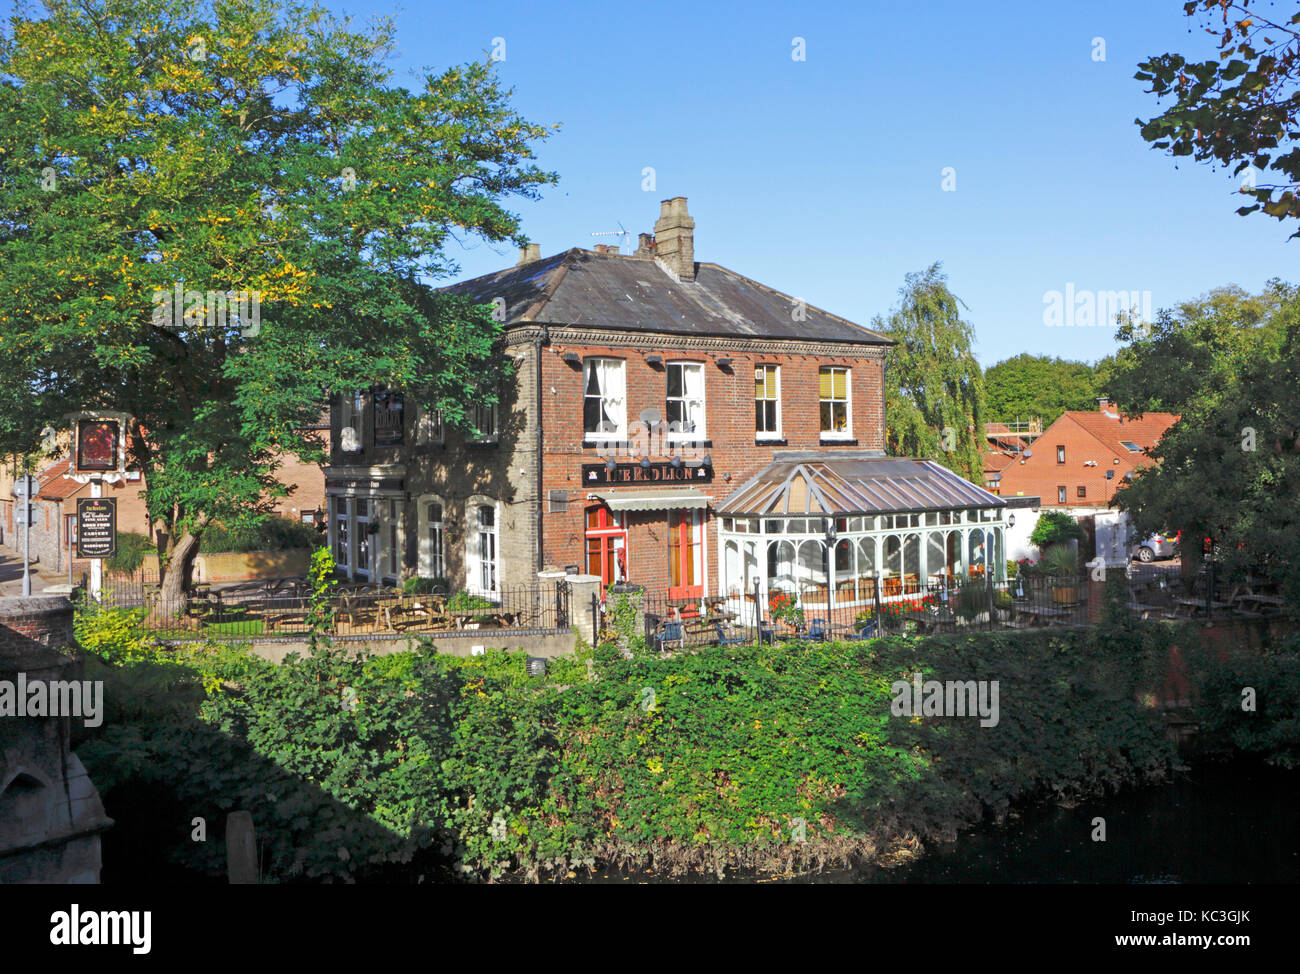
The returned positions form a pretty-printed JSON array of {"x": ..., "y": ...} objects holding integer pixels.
[
  {"x": 1093, "y": 443},
  {"x": 507, "y": 472},
  {"x": 646, "y": 310}
]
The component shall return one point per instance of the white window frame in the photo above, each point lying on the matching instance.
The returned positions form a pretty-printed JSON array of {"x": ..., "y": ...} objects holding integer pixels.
[
  {"x": 847, "y": 432},
  {"x": 359, "y": 530},
  {"x": 491, "y": 437},
  {"x": 769, "y": 434},
  {"x": 352, "y": 413},
  {"x": 341, "y": 513},
  {"x": 700, "y": 432},
  {"x": 389, "y": 564},
  {"x": 473, "y": 556},
  {"x": 427, "y": 563},
  {"x": 613, "y": 397}
]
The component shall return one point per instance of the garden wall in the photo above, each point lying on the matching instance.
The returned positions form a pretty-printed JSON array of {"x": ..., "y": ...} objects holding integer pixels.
[{"x": 548, "y": 644}]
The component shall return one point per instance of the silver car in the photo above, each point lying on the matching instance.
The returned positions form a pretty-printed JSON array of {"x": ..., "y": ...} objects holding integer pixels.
[{"x": 1156, "y": 546}]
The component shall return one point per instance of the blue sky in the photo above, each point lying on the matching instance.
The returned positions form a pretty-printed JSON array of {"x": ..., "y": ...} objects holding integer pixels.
[{"x": 823, "y": 177}]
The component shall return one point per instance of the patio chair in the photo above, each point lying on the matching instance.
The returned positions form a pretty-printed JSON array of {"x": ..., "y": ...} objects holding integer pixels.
[
  {"x": 816, "y": 631},
  {"x": 865, "y": 631},
  {"x": 725, "y": 640},
  {"x": 672, "y": 633}
]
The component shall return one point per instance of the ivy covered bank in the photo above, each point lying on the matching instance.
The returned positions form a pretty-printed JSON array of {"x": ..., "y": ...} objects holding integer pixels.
[{"x": 783, "y": 759}]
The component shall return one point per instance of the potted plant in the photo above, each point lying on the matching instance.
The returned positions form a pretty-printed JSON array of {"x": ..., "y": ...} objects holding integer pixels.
[
  {"x": 1061, "y": 562},
  {"x": 784, "y": 607}
]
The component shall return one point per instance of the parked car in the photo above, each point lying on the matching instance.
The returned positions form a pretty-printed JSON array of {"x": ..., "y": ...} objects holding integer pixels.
[{"x": 1156, "y": 546}]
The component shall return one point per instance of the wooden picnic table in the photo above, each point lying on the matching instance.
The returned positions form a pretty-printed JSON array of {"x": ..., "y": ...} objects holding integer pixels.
[
  {"x": 501, "y": 618},
  {"x": 1147, "y": 610},
  {"x": 1189, "y": 606},
  {"x": 1041, "y": 615}
]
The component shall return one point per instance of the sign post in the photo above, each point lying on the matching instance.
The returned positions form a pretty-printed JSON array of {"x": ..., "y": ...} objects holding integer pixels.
[
  {"x": 98, "y": 454},
  {"x": 25, "y": 488}
]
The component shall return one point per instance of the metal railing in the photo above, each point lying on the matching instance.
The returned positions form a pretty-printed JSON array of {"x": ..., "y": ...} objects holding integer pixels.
[
  {"x": 281, "y": 608},
  {"x": 952, "y": 605}
]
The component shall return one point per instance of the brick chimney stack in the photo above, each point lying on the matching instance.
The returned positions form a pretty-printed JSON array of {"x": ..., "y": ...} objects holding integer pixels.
[
  {"x": 1107, "y": 408},
  {"x": 645, "y": 245},
  {"x": 529, "y": 253},
  {"x": 675, "y": 238}
]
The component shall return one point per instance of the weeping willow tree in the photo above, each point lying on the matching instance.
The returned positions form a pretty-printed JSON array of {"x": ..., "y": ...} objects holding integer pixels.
[{"x": 934, "y": 388}]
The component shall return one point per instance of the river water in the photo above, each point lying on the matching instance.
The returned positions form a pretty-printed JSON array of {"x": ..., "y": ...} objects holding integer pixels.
[
  {"x": 1215, "y": 823},
  {"x": 1227, "y": 823}
]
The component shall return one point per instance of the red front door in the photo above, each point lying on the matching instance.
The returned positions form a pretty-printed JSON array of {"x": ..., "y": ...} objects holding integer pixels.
[{"x": 606, "y": 546}]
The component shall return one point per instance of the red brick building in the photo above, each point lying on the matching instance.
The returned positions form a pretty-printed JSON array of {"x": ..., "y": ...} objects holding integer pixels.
[
  {"x": 670, "y": 423},
  {"x": 1084, "y": 457}
]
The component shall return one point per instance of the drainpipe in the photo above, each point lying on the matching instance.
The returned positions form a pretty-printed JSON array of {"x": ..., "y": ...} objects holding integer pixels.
[{"x": 545, "y": 337}]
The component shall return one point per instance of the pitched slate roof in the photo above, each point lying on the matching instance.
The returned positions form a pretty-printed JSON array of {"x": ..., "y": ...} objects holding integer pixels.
[
  {"x": 853, "y": 484},
  {"x": 621, "y": 292}
]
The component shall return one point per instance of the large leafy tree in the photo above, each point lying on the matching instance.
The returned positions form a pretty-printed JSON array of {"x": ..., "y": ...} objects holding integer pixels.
[
  {"x": 237, "y": 146},
  {"x": 1039, "y": 387},
  {"x": 1229, "y": 364},
  {"x": 934, "y": 388},
  {"x": 1241, "y": 110}
]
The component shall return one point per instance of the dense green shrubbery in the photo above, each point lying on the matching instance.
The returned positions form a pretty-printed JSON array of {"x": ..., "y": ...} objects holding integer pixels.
[
  {"x": 270, "y": 534},
  {"x": 131, "y": 549},
  {"x": 1055, "y": 527},
  {"x": 420, "y": 585},
  {"x": 419, "y": 761}
]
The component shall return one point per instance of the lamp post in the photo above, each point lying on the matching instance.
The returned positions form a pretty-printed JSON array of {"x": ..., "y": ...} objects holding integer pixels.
[
  {"x": 829, "y": 524},
  {"x": 27, "y": 526}
]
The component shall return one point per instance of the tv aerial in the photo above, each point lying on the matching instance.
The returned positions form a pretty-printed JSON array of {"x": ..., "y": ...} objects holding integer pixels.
[{"x": 620, "y": 232}]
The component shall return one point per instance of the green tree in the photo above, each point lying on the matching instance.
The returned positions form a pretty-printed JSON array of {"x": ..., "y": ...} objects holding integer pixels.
[
  {"x": 1240, "y": 110},
  {"x": 1055, "y": 527},
  {"x": 934, "y": 388},
  {"x": 1229, "y": 364},
  {"x": 1038, "y": 387},
  {"x": 237, "y": 149}
]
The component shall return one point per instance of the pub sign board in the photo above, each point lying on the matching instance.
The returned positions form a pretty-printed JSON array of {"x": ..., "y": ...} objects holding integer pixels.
[
  {"x": 655, "y": 473},
  {"x": 96, "y": 527},
  {"x": 98, "y": 443}
]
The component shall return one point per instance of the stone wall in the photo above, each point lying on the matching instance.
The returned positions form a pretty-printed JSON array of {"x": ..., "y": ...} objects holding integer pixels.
[{"x": 50, "y": 812}]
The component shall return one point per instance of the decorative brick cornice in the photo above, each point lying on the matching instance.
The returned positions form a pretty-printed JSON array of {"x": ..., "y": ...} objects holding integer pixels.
[{"x": 757, "y": 345}]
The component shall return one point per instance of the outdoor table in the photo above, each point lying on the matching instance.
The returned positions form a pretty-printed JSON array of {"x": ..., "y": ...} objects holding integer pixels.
[
  {"x": 1194, "y": 605},
  {"x": 503, "y": 618},
  {"x": 1040, "y": 615},
  {"x": 1145, "y": 610}
]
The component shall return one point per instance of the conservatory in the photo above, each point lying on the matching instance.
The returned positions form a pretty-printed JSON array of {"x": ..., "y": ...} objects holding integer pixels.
[{"x": 841, "y": 530}]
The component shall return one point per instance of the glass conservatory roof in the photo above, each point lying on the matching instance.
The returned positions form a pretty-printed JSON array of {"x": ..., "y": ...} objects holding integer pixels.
[{"x": 847, "y": 483}]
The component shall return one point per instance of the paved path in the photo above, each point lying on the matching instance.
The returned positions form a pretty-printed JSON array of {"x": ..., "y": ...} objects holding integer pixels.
[{"x": 11, "y": 574}]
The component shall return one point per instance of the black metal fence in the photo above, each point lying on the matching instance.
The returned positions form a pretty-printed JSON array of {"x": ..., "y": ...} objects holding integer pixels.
[
  {"x": 951, "y": 605},
  {"x": 284, "y": 608}
]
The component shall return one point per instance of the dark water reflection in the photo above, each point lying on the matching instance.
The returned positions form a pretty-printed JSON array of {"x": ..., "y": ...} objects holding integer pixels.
[{"x": 1234, "y": 823}]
